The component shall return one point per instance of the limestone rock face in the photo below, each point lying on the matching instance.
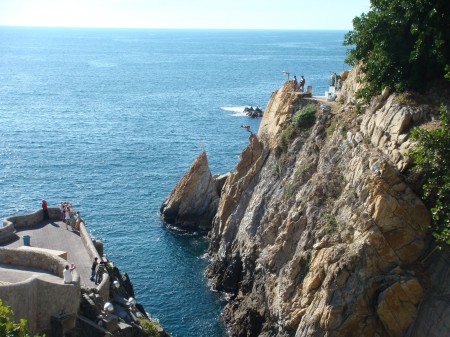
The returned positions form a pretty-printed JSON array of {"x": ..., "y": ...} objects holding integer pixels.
[
  {"x": 278, "y": 111},
  {"x": 193, "y": 202},
  {"x": 387, "y": 119},
  {"x": 324, "y": 239}
]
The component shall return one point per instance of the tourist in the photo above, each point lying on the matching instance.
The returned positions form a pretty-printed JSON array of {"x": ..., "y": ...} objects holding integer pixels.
[
  {"x": 45, "y": 209},
  {"x": 78, "y": 221},
  {"x": 93, "y": 268},
  {"x": 295, "y": 83},
  {"x": 67, "y": 216},
  {"x": 100, "y": 270},
  {"x": 67, "y": 273},
  {"x": 61, "y": 208},
  {"x": 302, "y": 84}
]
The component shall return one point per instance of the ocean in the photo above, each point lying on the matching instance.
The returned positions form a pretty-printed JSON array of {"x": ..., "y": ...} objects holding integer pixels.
[{"x": 110, "y": 119}]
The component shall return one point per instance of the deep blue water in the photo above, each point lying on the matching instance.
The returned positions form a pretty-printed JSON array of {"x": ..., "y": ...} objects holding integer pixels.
[{"x": 110, "y": 119}]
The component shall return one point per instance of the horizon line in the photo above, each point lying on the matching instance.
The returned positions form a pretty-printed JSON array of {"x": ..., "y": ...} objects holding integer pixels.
[{"x": 176, "y": 28}]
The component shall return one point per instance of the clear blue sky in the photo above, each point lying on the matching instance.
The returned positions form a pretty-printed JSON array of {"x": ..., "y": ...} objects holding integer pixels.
[{"x": 229, "y": 14}]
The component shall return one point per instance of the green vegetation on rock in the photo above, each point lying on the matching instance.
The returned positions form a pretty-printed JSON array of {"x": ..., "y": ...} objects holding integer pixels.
[
  {"x": 431, "y": 157},
  {"x": 305, "y": 117},
  {"x": 151, "y": 328},
  {"x": 401, "y": 44},
  {"x": 8, "y": 327},
  {"x": 302, "y": 120}
]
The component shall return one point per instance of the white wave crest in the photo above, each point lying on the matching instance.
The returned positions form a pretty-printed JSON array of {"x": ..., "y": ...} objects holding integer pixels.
[{"x": 238, "y": 110}]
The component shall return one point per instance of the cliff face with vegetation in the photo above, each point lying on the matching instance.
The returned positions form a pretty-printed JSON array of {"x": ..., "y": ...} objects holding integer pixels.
[{"x": 323, "y": 236}]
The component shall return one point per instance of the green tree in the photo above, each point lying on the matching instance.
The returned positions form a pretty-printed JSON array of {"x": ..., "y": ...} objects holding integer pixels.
[
  {"x": 8, "y": 327},
  {"x": 431, "y": 157},
  {"x": 402, "y": 44}
]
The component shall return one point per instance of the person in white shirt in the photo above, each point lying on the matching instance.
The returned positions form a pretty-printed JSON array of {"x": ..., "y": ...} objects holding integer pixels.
[
  {"x": 67, "y": 273},
  {"x": 67, "y": 217}
]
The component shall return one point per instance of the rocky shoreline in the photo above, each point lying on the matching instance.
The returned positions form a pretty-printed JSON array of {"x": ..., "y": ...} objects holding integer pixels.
[{"x": 121, "y": 316}]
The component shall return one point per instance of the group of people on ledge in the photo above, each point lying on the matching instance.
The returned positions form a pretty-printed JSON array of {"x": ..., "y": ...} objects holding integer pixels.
[
  {"x": 299, "y": 86},
  {"x": 97, "y": 270},
  {"x": 69, "y": 216}
]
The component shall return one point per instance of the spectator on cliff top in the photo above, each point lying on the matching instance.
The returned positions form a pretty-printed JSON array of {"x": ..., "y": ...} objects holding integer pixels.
[
  {"x": 302, "y": 84},
  {"x": 67, "y": 273},
  {"x": 93, "y": 269},
  {"x": 45, "y": 209},
  {"x": 295, "y": 83}
]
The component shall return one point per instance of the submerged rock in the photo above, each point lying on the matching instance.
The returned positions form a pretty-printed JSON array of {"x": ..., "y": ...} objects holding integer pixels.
[{"x": 193, "y": 202}]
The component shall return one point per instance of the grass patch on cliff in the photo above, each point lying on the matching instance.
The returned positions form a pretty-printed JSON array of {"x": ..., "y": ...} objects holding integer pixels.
[
  {"x": 305, "y": 264},
  {"x": 302, "y": 120},
  {"x": 305, "y": 117},
  {"x": 332, "y": 127},
  {"x": 151, "y": 328},
  {"x": 289, "y": 190},
  {"x": 302, "y": 168},
  {"x": 276, "y": 169},
  {"x": 331, "y": 224},
  {"x": 286, "y": 137}
]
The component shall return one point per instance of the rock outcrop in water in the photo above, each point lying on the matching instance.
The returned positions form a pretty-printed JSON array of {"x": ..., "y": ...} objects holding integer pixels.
[
  {"x": 193, "y": 202},
  {"x": 326, "y": 237}
]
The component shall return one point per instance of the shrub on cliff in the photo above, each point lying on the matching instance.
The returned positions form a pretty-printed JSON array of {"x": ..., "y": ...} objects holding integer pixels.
[
  {"x": 402, "y": 44},
  {"x": 305, "y": 117},
  {"x": 302, "y": 120},
  {"x": 8, "y": 327},
  {"x": 431, "y": 157},
  {"x": 150, "y": 328}
]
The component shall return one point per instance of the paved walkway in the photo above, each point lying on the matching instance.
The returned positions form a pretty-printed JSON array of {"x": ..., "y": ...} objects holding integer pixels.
[
  {"x": 54, "y": 235},
  {"x": 13, "y": 274}
]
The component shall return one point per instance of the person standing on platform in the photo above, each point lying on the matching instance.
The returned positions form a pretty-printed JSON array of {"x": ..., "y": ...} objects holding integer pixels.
[
  {"x": 61, "y": 208},
  {"x": 94, "y": 268},
  {"x": 67, "y": 217},
  {"x": 78, "y": 221},
  {"x": 302, "y": 84},
  {"x": 45, "y": 209},
  {"x": 295, "y": 83},
  {"x": 100, "y": 270}
]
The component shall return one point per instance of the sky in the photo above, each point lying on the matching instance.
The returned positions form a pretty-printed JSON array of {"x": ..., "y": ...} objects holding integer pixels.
[{"x": 196, "y": 14}]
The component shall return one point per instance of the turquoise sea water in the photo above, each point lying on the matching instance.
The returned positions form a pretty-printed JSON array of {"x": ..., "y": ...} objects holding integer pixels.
[{"x": 110, "y": 119}]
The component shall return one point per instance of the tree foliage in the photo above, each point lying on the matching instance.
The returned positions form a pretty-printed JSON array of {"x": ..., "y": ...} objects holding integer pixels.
[
  {"x": 402, "y": 44},
  {"x": 431, "y": 157},
  {"x": 8, "y": 327}
]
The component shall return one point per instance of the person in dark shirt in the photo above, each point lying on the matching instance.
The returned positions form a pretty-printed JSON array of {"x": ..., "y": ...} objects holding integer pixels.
[
  {"x": 100, "y": 270},
  {"x": 94, "y": 268}
]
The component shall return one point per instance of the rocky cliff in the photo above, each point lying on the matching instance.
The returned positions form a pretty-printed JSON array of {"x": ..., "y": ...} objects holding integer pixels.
[
  {"x": 193, "y": 202},
  {"x": 326, "y": 237}
]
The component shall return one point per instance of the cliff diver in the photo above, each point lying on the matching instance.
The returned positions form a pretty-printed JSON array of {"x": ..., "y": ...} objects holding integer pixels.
[{"x": 246, "y": 127}]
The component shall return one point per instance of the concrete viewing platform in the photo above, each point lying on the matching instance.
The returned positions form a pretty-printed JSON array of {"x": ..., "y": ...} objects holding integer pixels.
[
  {"x": 33, "y": 254},
  {"x": 53, "y": 237}
]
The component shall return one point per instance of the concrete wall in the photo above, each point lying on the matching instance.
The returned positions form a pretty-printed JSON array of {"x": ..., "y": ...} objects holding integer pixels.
[
  {"x": 103, "y": 287},
  {"x": 7, "y": 231},
  {"x": 36, "y": 299},
  {"x": 20, "y": 221}
]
